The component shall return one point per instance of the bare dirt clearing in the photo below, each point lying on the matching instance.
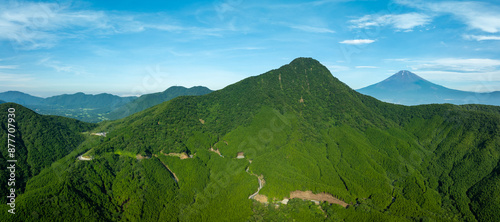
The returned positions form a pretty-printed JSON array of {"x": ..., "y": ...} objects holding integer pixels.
[
  {"x": 309, "y": 195},
  {"x": 84, "y": 158}
]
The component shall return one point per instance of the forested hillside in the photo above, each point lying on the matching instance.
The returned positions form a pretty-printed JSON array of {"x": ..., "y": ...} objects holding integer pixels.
[
  {"x": 39, "y": 141},
  {"x": 296, "y": 128}
]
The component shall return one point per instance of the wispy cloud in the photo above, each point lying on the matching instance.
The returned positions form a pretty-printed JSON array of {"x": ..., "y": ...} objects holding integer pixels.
[
  {"x": 366, "y": 67},
  {"x": 398, "y": 60},
  {"x": 42, "y": 25},
  {"x": 9, "y": 77},
  {"x": 313, "y": 29},
  {"x": 33, "y": 25},
  {"x": 8, "y": 67},
  {"x": 60, "y": 67},
  {"x": 458, "y": 65},
  {"x": 405, "y": 22},
  {"x": 481, "y": 37},
  {"x": 357, "y": 41},
  {"x": 337, "y": 68},
  {"x": 477, "y": 15}
]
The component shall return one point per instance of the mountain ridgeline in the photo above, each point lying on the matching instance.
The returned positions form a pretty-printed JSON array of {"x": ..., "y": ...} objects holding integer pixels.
[
  {"x": 296, "y": 128},
  {"x": 408, "y": 88},
  {"x": 150, "y": 100},
  {"x": 96, "y": 108},
  {"x": 20, "y": 98}
]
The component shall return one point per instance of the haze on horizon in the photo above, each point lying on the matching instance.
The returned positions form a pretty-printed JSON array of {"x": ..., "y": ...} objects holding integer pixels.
[{"x": 127, "y": 48}]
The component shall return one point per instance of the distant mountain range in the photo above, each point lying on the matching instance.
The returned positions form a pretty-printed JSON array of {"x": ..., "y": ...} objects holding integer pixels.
[
  {"x": 69, "y": 101},
  {"x": 96, "y": 108},
  {"x": 81, "y": 100},
  {"x": 1, "y": 101},
  {"x": 150, "y": 100},
  {"x": 407, "y": 88},
  {"x": 21, "y": 98}
]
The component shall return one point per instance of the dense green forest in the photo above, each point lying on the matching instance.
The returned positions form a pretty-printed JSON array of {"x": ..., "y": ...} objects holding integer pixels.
[
  {"x": 298, "y": 128},
  {"x": 39, "y": 141}
]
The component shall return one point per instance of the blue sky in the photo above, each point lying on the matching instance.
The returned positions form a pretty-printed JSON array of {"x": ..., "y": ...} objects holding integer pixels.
[{"x": 136, "y": 47}]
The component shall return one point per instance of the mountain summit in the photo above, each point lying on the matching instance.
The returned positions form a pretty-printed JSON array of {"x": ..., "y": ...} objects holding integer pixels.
[
  {"x": 404, "y": 80},
  {"x": 408, "y": 88},
  {"x": 405, "y": 76}
]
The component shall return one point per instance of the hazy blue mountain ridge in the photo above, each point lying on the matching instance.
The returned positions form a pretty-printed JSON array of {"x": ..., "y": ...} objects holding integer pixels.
[
  {"x": 21, "y": 98},
  {"x": 95, "y": 108},
  {"x": 149, "y": 100}
]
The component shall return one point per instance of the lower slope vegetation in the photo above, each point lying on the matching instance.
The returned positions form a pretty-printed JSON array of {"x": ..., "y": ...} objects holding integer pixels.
[{"x": 302, "y": 130}]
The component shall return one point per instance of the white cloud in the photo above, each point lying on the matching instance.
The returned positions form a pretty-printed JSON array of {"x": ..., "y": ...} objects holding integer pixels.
[
  {"x": 312, "y": 29},
  {"x": 477, "y": 15},
  {"x": 481, "y": 37},
  {"x": 366, "y": 67},
  {"x": 405, "y": 22},
  {"x": 357, "y": 41}
]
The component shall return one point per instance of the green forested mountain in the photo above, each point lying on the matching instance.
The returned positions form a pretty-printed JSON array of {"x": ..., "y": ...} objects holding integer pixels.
[
  {"x": 298, "y": 128},
  {"x": 149, "y": 100},
  {"x": 38, "y": 140}
]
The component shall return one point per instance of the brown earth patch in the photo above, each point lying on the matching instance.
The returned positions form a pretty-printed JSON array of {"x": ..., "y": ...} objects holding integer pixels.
[
  {"x": 85, "y": 158},
  {"x": 240, "y": 155},
  {"x": 202, "y": 121},
  {"x": 309, "y": 195},
  {"x": 140, "y": 157},
  {"x": 182, "y": 156},
  {"x": 215, "y": 151},
  {"x": 261, "y": 198}
]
